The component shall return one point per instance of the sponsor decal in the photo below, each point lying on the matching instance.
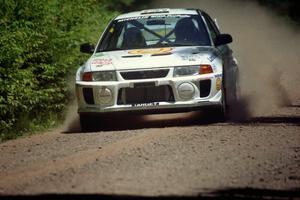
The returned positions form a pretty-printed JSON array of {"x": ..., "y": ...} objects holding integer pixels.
[
  {"x": 151, "y": 51},
  {"x": 193, "y": 57},
  {"x": 103, "y": 61},
  {"x": 145, "y": 104},
  {"x": 162, "y": 54},
  {"x": 214, "y": 56},
  {"x": 218, "y": 76},
  {"x": 133, "y": 18},
  {"x": 111, "y": 30},
  {"x": 218, "y": 84},
  {"x": 153, "y": 17}
]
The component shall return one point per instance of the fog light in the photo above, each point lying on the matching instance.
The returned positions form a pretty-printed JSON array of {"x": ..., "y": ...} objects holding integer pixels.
[
  {"x": 218, "y": 84},
  {"x": 186, "y": 91},
  {"x": 105, "y": 95}
]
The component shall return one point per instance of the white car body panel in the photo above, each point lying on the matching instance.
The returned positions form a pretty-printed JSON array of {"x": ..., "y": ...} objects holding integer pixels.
[
  {"x": 122, "y": 60},
  {"x": 150, "y": 60}
]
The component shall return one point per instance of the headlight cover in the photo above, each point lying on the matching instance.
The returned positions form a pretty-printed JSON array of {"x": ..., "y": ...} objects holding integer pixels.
[
  {"x": 186, "y": 71},
  {"x": 100, "y": 76},
  {"x": 104, "y": 76},
  {"x": 192, "y": 70}
]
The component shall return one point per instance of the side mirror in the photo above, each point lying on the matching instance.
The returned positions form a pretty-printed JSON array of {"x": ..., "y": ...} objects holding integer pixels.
[
  {"x": 223, "y": 39},
  {"x": 87, "y": 48}
]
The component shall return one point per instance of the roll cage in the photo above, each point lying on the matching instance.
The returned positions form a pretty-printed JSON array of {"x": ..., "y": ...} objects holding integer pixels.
[{"x": 108, "y": 34}]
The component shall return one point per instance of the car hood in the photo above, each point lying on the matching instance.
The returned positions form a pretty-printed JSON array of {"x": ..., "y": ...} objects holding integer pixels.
[{"x": 150, "y": 58}]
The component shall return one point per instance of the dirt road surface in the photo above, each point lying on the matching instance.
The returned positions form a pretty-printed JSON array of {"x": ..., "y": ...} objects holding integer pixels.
[{"x": 182, "y": 155}]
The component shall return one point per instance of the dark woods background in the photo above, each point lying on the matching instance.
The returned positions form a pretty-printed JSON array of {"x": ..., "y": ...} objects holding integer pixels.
[{"x": 290, "y": 8}]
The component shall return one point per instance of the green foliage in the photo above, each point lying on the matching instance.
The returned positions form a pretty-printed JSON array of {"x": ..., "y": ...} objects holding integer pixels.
[
  {"x": 117, "y": 4},
  {"x": 39, "y": 48}
]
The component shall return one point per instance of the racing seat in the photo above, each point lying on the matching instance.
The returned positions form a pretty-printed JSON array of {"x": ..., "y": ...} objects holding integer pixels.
[
  {"x": 133, "y": 39},
  {"x": 186, "y": 32}
]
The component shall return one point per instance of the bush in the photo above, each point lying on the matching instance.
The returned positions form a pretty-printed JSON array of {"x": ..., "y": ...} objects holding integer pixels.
[{"x": 39, "y": 42}]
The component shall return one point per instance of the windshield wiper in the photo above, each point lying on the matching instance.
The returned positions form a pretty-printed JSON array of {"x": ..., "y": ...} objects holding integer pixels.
[{"x": 112, "y": 49}]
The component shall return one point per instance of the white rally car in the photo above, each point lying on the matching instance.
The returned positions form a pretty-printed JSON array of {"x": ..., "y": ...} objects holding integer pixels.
[{"x": 161, "y": 60}]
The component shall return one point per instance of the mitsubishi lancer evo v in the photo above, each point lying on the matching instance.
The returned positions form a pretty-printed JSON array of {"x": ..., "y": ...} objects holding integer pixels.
[{"x": 157, "y": 61}]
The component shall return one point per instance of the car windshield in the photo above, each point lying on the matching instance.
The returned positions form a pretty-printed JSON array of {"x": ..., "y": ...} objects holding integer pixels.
[{"x": 155, "y": 32}]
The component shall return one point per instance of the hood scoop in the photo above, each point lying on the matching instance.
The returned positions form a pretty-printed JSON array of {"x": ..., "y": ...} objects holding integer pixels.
[{"x": 132, "y": 56}]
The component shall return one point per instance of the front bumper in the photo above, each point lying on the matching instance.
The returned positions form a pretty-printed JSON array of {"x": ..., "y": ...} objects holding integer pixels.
[{"x": 108, "y": 97}]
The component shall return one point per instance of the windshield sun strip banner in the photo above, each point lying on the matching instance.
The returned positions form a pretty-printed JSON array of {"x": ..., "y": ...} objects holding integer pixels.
[{"x": 154, "y": 16}]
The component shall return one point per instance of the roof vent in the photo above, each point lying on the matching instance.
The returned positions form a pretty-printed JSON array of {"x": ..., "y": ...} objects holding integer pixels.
[{"x": 154, "y": 11}]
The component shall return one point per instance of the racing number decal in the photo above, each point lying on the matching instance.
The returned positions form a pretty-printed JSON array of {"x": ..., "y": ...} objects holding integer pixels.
[{"x": 151, "y": 51}]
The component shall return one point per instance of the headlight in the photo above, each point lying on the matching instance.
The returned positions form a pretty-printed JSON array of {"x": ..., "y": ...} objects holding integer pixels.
[
  {"x": 100, "y": 76},
  {"x": 105, "y": 76},
  {"x": 192, "y": 70},
  {"x": 186, "y": 71}
]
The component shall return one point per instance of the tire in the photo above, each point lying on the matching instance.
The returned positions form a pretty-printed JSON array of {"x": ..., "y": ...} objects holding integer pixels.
[
  {"x": 222, "y": 111},
  {"x": 237, "y": 92},
  {"x": 217, "y": 114},
  {"x": 87, "y": 123}
]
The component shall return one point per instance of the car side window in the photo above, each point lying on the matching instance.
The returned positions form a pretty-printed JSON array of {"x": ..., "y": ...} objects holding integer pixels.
[{"x": 211, "y": 26}]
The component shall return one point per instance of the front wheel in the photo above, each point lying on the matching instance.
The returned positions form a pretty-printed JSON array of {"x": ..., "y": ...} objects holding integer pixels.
[
  {"x": 222, "y": 111},
  {"x": 219, "y": 113}
]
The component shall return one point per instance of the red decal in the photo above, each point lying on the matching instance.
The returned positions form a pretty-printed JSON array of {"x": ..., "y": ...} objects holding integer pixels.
[{"x": 107, "y": 61}]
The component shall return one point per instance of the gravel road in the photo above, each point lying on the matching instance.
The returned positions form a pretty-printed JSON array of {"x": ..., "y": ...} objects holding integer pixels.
[
  {"x": 174, "y": 155},
  {"x": 178, "y": 155}
]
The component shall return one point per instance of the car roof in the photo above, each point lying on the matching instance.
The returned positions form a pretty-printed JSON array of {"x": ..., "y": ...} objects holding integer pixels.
[{"x": 159, "y": 11}]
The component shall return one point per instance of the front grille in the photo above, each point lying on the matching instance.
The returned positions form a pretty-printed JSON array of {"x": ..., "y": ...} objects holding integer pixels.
[
  {"x": 161, "y": 73},
  {"x": 88, "y": 95},
  {"x": 205, "y": 88},
  {"x": 145, "y": 95}
]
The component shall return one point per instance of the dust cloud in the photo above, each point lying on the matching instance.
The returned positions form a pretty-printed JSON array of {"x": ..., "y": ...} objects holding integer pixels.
[
  {"x": 266, "y": 46},
  {"x": 71, "y": 123}
]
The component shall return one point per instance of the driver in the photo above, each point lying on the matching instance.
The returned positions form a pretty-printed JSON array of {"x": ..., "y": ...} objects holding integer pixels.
[
  {"x": 186, "y": 32},
  {"x": 133, "y": 39}
]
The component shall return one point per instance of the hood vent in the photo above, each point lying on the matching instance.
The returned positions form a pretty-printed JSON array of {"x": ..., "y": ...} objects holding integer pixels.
[{"x": 132, "y": 56}]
